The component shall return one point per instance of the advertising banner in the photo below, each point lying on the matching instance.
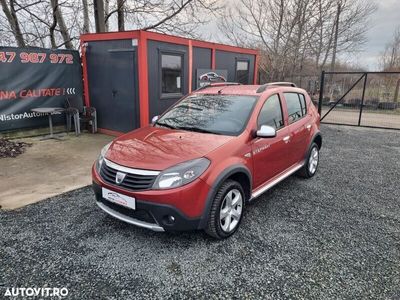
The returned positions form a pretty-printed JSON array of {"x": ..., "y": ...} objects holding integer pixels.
[{"x": 36, "y": 77}]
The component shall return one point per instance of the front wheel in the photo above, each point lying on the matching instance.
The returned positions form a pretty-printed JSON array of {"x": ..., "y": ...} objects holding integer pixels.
[
  {"x": 226, "y": 210},
  {"x": 311, "y": 164}
]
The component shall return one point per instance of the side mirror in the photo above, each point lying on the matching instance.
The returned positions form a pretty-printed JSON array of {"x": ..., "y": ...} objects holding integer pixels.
[
  {"x": 266, "y": 132},
  {"x": 155, "y": 118}
]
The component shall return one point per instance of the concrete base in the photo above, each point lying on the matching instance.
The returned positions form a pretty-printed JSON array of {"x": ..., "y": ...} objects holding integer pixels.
[
  {"x": 15, "y": 134},
  {"x": 48, "y": 168}
]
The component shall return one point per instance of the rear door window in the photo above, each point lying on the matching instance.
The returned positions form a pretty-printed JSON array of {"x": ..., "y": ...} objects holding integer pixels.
[
  {"x": 303, "y": 104},
  {"x": 296, "y": 106}
]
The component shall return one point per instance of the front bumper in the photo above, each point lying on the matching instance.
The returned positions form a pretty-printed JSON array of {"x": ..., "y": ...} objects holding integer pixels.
[{"x": 153, "y": 216}]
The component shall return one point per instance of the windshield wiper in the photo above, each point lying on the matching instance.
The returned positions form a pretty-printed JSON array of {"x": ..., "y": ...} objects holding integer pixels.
[
  {"x": 188, "y": 128},
  {"x": 196, "y": 129},
  {"x": 165, "y": 125}
]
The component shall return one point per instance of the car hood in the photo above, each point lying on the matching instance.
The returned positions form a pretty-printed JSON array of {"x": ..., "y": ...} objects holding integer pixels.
[{"x": 154, "y": 148}]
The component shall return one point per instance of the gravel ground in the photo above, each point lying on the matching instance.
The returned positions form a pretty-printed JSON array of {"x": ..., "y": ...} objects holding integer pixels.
[{"x": 334, "y": 236}]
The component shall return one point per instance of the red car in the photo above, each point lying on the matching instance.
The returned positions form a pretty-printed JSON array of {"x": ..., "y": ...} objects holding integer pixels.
[{"x": 197, "y": 165}]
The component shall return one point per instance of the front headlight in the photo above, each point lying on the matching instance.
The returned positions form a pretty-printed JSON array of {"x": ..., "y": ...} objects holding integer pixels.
[
  {"x": 181, "y": 174},
  {"x": 100, "y": 160}
]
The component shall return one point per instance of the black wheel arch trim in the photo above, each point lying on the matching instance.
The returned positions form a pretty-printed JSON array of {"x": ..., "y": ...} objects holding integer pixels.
[
  {"x": 317, "y": 134},
  {"x": 228, "y": 172}
]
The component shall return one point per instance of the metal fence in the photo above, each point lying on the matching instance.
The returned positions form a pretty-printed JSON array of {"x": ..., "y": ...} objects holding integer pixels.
[
  {"x": 367, "y": 99},
  {"x": 308, "y": 82}
]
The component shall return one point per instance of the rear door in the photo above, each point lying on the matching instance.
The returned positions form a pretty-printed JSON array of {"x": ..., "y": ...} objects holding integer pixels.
[
  {"x": 270, "y": 154},
  {"x": 298, "y": 120}
]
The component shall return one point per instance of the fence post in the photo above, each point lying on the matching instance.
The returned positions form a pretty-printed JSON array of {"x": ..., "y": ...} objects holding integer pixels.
[
  {"x": 321, "y": 92},
  {"x": 362, "y": 98}
]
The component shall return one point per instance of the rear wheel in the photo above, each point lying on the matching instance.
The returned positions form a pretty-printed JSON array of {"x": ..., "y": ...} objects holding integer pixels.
[
  {"x": 311, "y": 164},
  {"x": 226, "y": 210}
]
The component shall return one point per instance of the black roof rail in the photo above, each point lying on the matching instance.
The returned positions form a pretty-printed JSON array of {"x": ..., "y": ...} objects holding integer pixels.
[
  {"x": 217, "y": 84},
  {"x": 265, "y": 86}
]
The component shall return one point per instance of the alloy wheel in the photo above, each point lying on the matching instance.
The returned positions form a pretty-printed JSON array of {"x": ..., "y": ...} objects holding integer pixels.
[
  {"x": 313, "y": 160},
  {"x": 231, "y": 210}
]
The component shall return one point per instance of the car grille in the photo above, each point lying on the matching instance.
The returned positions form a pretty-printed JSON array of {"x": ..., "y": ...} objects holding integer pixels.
[{"x": 135, "y": 182}]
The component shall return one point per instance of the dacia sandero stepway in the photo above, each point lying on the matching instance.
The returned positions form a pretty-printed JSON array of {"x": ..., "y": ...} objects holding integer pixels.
[{"x": 197, "y": 165}]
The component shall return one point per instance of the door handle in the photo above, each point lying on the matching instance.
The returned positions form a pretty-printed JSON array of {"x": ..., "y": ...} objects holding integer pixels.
[
  {"x": 308, "y": 126},
  {"x": 286, "y": 139}
]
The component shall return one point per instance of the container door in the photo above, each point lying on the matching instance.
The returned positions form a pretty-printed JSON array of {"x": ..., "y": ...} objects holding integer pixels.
[
  {"x": 122, "y": 90},
  {"x": 113, "y": 88}
]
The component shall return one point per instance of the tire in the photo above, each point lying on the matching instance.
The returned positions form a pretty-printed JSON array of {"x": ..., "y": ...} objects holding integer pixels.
[
  {"x": 312, "y": 162},
  {"x": 218, "y": 226}
]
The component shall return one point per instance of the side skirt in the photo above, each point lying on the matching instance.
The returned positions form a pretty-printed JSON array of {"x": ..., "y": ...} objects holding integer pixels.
[{"x": 278, "y": 178}]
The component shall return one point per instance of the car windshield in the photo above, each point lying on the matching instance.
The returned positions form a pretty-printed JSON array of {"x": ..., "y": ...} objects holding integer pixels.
[{"x": 218, "y": 114}]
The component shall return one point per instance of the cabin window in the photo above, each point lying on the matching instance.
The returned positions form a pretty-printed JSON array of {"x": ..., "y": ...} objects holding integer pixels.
[
  {"x": 171, "y": 74},
  {"x": 242, "y": 71}
]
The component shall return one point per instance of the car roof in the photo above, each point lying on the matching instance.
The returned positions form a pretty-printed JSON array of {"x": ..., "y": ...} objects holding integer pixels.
[{"x": 250, "y": 90}]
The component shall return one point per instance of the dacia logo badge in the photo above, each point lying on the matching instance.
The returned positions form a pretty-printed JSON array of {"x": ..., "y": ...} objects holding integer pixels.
[{"x": 119, "y": 177}]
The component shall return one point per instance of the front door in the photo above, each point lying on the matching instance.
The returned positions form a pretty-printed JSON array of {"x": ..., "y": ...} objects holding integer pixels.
[{"x": 270, "y": 154}]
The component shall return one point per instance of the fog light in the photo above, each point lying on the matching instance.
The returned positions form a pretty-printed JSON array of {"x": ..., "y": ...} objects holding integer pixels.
[{"x": 168, "y": 220}]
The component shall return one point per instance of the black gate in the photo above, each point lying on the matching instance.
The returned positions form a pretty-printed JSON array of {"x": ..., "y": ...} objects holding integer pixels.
[{"x": 367, "y": 99}]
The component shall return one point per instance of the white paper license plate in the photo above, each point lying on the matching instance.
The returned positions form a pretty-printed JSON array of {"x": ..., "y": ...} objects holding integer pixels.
[{"x": 118, "y": 198}]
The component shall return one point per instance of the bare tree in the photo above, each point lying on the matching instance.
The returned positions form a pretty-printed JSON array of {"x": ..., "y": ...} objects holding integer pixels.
[
  {"x": 120, "y": 10},
  {"x": 390, "y": 61},
  {"x": 56, "y": 23},
  {"x": 106, "y": 11},
  {"x": 59, "y": 24},
  {"x": 183, "y": 17},
  {"x": 320, "y": 38},
  {"x": 297, "y": 36},
  {"x": 59, "y": 19},
  {"x": 53, "y": 25},
  {"x": 12, "y": 18},
  {"x": 350, "y": 18},
  {"x": 390, "y": 58},
  {"x": 99, "y": 15},
  {"x": 121, "y": 15},
  {"x": 85, "y": 8},
  {"x": 174, "y": 12}
]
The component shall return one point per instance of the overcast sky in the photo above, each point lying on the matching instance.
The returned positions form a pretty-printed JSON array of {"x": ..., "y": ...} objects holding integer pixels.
[{"x": 383, "y": 23}]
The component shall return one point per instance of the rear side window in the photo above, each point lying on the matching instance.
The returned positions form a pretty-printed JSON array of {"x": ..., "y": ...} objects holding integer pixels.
[
  {"x": 296, "y": 105},
  {"x": 271, "y": 113},
  {"x": 303, "y": 104}
]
